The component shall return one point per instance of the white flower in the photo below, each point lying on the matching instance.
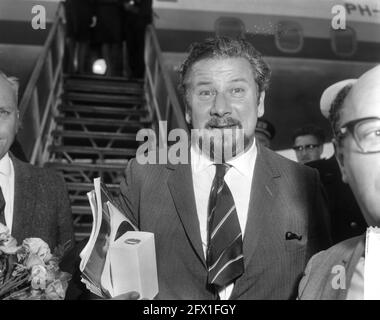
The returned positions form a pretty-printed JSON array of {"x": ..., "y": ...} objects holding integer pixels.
[
  {"x": 33, "y": 260},
  {"x": 8, "y": 244},
  {"x": 38, "y": 247},
  {"x": 56, "y": 290},
  {"x": 38, "y": 277},
  {"x": 3, "y": 229}
]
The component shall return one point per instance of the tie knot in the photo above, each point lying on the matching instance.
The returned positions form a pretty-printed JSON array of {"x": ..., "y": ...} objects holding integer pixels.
[{"x": 221, "y": 170}]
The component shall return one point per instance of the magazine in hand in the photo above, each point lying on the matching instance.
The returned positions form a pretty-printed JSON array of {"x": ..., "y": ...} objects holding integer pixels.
[{"x": 117, "y": 258}]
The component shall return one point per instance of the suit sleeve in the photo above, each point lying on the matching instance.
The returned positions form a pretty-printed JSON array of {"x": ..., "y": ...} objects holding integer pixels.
[
  {"x": 64, "y": 213},
  {"x": 127, "y": 195},
  {"x": 305, "y": 280},
  {"x": 315, "y": 278}
]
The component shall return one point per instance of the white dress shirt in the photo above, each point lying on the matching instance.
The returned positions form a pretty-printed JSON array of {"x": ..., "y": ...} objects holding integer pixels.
[
  {"x": 7, "y": 184},
  {"x": 239, "y": 180}
]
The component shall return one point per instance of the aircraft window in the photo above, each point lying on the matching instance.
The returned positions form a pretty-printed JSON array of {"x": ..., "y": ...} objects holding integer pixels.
[
  {"x": 230, "y": 27},
  {"x": 289, "y": 37},
  {"x": 343, "y": 42}
]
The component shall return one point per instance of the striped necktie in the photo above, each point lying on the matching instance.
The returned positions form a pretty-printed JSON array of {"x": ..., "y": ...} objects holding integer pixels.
[
  {"x": 2, "y": 207},
  {"x": 225, "y": 259}
]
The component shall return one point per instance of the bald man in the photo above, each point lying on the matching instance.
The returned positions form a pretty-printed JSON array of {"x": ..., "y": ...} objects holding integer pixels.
[
  {"x": 33, "y": 201},
  {"x": 338, "y": 273}
]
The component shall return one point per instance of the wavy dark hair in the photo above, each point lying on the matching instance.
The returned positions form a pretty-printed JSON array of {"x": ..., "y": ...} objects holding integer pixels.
[
  {"x": 312, "y": 130},
  {"x": 336, "y": 107},
  {"x": 224, "y": 47}
]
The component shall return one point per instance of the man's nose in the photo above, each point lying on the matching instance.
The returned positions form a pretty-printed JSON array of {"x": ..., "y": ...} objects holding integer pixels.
[
  {"x": 304, "y": 152},
  {"x": 221, "y": 105}
]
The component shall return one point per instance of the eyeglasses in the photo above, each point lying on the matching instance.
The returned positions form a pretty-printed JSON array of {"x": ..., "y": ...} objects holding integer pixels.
[
  {"x": 305, "y": 147},
  {"x": 366, "y": 133}
]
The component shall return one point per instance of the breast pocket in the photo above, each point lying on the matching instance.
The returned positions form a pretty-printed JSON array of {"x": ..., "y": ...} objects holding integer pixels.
[{"x": 294, "y": 241}]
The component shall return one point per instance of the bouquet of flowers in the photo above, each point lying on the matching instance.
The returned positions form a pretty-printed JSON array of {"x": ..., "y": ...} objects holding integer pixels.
[{"x": 30, "y": 271}]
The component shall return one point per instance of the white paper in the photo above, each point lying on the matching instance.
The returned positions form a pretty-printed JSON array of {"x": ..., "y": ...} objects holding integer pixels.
[
  {"x": 110, "y": 263},
  {"x": 133, "y": 264},
  {"x": 85, "y": 253},
  {"x": 372, "y": 264}
]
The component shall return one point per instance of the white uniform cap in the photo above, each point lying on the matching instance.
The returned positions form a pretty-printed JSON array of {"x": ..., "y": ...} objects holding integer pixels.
[{"x": 329, "y": 95}]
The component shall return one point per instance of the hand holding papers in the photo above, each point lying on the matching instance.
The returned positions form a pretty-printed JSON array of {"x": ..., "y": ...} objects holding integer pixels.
[{"x": 117, "y": 258}]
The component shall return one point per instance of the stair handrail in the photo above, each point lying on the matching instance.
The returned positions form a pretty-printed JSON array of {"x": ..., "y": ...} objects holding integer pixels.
[
  {"x": 159, "y": 90},
  {"x": 42, "y": 93}
]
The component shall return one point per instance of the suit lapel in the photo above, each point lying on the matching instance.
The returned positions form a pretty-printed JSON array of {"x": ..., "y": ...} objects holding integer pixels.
[
  {"x": 180, "y": 184},
  {"x": 24, "y": 200},
  {"x": 263, "y": 190}
]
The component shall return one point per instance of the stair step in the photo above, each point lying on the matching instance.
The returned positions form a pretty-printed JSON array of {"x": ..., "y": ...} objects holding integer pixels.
[
  {"x": 102, "y": 122},
  {"x": 103, "y": 110},
  {"x": 93, "y": 150},
  {"x": 75, "y": 166},
  {"x": 81, "y": 198},
  {"x": 82, "y": 232},
  {"x": 94, "y": 135},
  {"x": 93, "y": 77},
  {"x": 81, "y": 210},
  {"x": 104, "y": 98},
  {"x": 103, "y": 86},
  {"x": 88, "y": 186}
]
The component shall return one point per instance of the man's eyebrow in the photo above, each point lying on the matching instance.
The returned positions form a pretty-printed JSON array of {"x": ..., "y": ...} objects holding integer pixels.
[
  {"x": 239, "y": 80},
  {"x": 206, "y": 82},
  {"x": 203, "y": 83}
]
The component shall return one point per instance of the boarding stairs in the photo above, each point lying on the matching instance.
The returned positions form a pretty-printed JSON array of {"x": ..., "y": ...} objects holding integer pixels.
[
  {"x": 85, "y": 126},
  {"x": 95, "y": 135}
]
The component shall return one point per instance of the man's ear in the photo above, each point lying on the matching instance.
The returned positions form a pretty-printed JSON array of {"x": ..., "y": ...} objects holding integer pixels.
[
  {"x": 188, "y": 114},
  {"x": 18, "y": 126},
  {"x": 321, "y": 147},
  {"x": 187, "y": 108},
  {"x": 260, "y": 105},
  {"x": 340, "y": 158}
]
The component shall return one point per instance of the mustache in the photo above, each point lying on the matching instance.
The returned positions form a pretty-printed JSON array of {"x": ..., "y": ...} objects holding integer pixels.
[{"x": 223, "y": 122}]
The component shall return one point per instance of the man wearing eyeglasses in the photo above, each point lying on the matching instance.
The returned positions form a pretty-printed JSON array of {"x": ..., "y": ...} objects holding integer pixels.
[
  {"x": 308, "y": 143},
  {"x": 355, "y": 119}
]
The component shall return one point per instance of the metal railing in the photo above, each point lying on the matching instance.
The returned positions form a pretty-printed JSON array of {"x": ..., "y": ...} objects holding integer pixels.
[
  {"x": 160, "y": 93},
  {"x": 42, "y": 95}
]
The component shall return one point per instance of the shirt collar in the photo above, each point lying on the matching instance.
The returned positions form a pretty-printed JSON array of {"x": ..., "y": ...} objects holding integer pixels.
[
  {"x": 199, "y": 162},
  {"x": 244, "y": 163},
  {"x": 5, "y": 165}
]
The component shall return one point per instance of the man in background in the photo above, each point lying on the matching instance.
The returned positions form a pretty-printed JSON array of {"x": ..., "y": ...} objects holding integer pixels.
[
  {"x": 33, "y": 201},
  {"x": 355, "y": 119},
  {"x": 346, "y": 218},
  {"x": 308, "y": 143},
  {"x": 137, "y": 15},
  {"x": 264, "y": 132}
]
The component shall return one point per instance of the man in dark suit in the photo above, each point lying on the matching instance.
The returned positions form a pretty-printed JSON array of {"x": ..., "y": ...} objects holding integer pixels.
[
  {"x": 338, "y": 273},
  {"x": 137, "y": 15},
  {"x": 308, "y": 143},
  {"x": 346, "y": 218},
  {"x": 33, "y": 201},
  {"x": 264, "y": 132},
  {"x": 237, "y": 226}
]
